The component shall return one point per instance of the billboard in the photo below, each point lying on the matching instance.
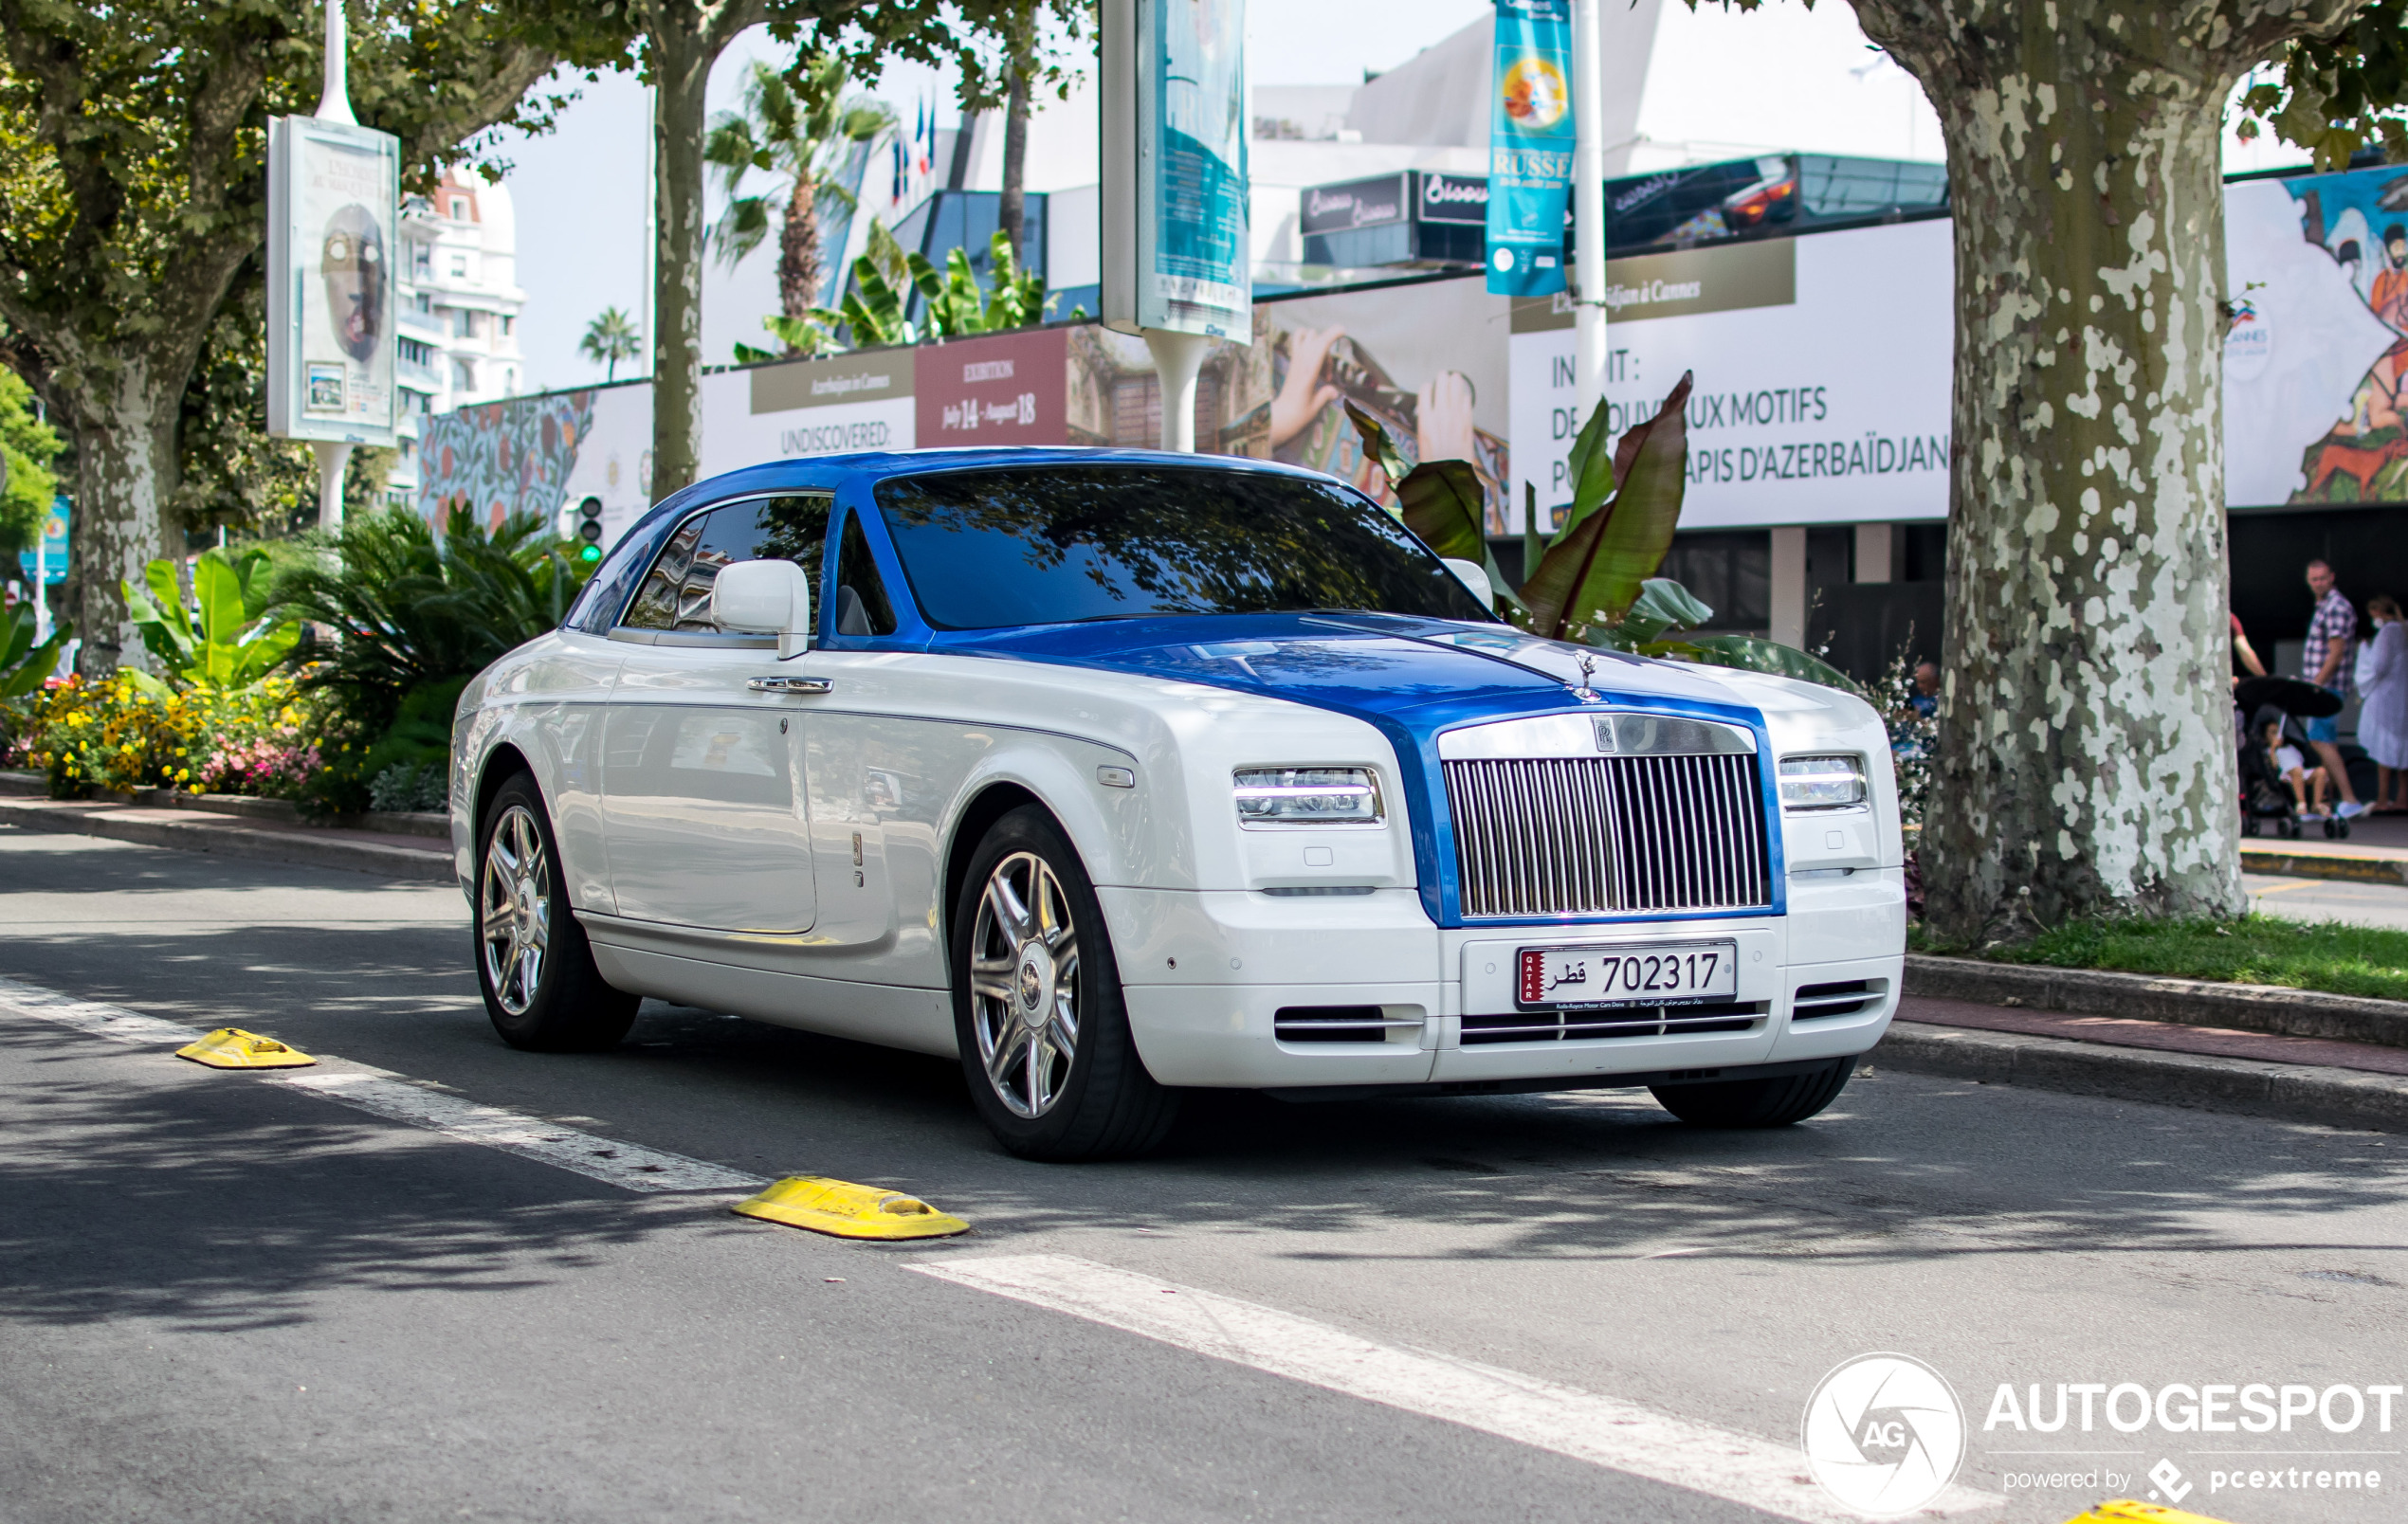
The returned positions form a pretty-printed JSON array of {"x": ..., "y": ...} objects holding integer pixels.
[
  {"x": 862, "y": 401},
  {"x": 1177, "y": 254},
  {"x": 1823, "y": 371},
  {"x": 2317, "y": 282},
  {"x": 332, "y": 248}
]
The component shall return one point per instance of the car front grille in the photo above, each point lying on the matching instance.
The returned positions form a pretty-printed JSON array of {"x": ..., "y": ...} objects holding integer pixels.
[
  {"x": 1625, "y": 1021},
  {"x": 1569, "y": 836}
]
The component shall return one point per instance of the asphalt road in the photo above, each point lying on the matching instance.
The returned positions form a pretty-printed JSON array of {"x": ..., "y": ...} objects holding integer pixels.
[{"x": 224, "y": 1298}]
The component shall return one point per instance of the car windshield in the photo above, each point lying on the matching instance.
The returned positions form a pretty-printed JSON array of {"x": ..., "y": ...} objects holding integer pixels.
[{"x": 1053, "y": 544}]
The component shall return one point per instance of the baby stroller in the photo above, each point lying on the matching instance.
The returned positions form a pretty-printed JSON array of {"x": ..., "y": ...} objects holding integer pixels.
[{"x": 2264, "y": 794}]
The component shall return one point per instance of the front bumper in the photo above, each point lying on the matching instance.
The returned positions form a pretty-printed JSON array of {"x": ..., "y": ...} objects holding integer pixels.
[{"x": 1208, "y": 974}]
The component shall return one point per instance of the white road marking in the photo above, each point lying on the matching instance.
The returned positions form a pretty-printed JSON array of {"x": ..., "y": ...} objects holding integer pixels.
[
  {"x": 1721, "y": 1464},
  {"x": 396, "y": 1098}
]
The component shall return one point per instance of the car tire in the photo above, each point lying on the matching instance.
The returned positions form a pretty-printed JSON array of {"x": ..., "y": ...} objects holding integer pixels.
[
  {"x": 533, "y": 966},
  {"x": 1039, "y": 1010},
  {"x": 1777, "y": 1102}
]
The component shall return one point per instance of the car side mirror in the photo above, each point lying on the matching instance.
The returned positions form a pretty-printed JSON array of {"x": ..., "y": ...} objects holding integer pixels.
[
  {"x": 1472, "y": 575},
  {"x": 771, "y": 595}
]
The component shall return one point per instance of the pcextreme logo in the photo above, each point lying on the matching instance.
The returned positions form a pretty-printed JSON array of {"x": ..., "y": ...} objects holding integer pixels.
[{"x": 1884, "y": 1434}]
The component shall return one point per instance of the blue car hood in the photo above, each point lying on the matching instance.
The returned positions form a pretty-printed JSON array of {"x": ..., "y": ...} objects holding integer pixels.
[{"x": 1419, "y": 675}]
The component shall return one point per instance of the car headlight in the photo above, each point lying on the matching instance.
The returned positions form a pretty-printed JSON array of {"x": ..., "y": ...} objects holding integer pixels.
[
  {"x": 1821, "y": 782},
  {"x": 1308, "y": 797}
]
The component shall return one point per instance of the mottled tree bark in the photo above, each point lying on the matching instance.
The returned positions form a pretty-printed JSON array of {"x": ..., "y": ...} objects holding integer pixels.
[{"x": 2086, "y": 761}]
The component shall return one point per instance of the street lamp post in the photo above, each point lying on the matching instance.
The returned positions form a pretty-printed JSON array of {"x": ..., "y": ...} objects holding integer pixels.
[{"x": 1588, "y": 207}]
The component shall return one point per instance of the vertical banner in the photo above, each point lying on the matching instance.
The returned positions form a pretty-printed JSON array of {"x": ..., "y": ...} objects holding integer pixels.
[
  {"x": 1177, "y": 252},
  {"x": 333, "y": 243},
  {"x": 1530, "y": 141}
]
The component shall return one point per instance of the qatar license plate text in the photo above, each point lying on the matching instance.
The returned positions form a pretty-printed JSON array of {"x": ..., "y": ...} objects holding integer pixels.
[{"x": 1558, "y": 978}]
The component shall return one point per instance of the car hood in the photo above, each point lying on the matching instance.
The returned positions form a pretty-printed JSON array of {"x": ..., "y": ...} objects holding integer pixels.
[{"x": 1411, "y": 676}]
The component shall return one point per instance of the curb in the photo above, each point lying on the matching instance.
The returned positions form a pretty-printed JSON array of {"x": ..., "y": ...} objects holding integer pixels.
[
  {"x": 2149, "y": 998},
  {"x": 224, "y": 837},
  {"x": 2286, "y": 1092},
  {"x": 2353, "y": 869}
]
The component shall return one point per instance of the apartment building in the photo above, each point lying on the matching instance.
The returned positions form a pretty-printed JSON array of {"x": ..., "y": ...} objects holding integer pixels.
[{"x": 459, "y": 300}]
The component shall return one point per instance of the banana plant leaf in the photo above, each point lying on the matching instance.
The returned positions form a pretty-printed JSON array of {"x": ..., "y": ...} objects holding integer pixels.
[
  {"x": 1662, "y": 605},
  {"x": 1593, "y": 572},
  {"x": 1442, "y": 500},
  {"x": 23, "y": 666},
  {"x": 1750, "y": 653},
  {"x": 1591, "y": 469}
]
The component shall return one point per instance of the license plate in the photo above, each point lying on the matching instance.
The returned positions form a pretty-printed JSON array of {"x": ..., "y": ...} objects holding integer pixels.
[{"x": 1662, "y": 973}]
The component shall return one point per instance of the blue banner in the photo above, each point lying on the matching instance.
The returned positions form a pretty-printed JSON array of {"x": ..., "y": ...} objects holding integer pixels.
[
  {"x": 1199, "y": 274},
  {"x": 54, "y": 544},
  {"x": 1530, "y": 141}
]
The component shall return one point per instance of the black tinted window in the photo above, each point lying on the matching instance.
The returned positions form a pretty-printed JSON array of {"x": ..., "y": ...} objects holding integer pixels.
[
  {"x": 862, "y": 605},
  {"x": 676, "y": 593},
  {"x": 988, "y": 550}
]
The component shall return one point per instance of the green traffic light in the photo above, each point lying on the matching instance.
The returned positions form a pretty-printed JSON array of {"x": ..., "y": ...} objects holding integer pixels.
[{"x": 592, "y": 553}]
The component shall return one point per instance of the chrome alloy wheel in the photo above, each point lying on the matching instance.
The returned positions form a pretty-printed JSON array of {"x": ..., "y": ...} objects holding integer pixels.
[
  {"x": 514, "y": 905},
  {"x": 1024, "y": 985}
]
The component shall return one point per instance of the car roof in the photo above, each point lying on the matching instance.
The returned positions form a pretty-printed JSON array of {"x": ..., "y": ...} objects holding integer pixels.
[{"x": 829, "y": 470}]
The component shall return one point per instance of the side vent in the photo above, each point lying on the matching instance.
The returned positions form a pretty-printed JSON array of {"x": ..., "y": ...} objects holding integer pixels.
[
  {"x": 1337, "y": 1024},
  {"x": 1817, "y": 1002}
]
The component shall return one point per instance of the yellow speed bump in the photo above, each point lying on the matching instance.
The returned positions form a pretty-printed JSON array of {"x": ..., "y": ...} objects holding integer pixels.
[
  {"x": 848, "y": 1210},
  {"x": 2124, "y": 1511},
  {"x": 230, "y": 1048}
]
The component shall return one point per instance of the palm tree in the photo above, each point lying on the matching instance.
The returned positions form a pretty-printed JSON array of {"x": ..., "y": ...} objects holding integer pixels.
[
  {"x": 801, "y": 125},
  {"x": 611, "y": 339}
]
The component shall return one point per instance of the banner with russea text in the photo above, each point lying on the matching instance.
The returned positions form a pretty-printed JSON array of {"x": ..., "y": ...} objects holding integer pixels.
[{"x": 1531, "y": 137}]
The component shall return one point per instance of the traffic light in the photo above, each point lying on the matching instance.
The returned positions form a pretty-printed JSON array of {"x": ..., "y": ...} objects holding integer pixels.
[{"x": 589, "y": 529}]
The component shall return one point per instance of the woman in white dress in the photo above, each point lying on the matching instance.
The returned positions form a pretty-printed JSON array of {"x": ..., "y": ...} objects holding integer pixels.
[{"x": 2383, "y": 722}]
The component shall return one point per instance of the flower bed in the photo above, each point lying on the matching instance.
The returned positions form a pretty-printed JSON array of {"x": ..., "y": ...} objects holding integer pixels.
[{"x": 264, "y": 738}]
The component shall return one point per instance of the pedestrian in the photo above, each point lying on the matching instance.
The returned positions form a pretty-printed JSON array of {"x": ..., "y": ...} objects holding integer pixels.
[
  {"x": 2307, "y": 783},
  {"x": 1926, "y": 699},
  {"x": 2326, "y": 663},
  {"x": 2243, "y": 652},
  {"x": 2383, "y": 720}
]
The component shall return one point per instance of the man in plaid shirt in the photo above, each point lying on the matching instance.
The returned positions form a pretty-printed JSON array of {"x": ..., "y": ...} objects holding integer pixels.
[{"x": 2326, "y": 663}]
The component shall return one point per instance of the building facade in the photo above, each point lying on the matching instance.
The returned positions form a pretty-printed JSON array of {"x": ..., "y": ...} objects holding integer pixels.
[{"x": 459, "y": 300}]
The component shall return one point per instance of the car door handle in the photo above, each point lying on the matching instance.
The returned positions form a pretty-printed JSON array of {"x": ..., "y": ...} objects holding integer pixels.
[{"x": 804, "y": 686}]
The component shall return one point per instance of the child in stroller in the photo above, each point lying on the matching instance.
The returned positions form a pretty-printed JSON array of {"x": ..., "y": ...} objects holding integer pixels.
[{"x": 2279, "y": 784}]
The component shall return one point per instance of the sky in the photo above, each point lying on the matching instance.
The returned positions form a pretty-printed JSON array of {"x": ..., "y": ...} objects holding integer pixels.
[{"x": 1782, "y": 75}]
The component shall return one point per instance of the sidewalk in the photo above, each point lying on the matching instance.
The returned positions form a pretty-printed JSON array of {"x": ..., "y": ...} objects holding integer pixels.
[
  {"x": 2376, "y": 852},
  {"x": 2295, "y": 1078},
  {"x": 197, "y": 829}
]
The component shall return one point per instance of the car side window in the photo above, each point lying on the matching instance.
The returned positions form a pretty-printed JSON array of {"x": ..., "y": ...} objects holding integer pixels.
[
  {"x": 676, "y": 593},
  {"x": 862, "y": 605}
]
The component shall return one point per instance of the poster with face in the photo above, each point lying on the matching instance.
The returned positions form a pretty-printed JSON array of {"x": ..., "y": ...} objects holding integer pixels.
[{"x": 334, "y": 236}]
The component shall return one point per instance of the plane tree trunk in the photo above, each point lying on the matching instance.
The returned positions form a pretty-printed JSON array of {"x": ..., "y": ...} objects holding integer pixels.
[{"x": 2087, "y": 759}]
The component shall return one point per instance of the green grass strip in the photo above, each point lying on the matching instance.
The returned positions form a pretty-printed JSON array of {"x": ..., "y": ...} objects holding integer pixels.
[{"x": 2255, "y": 950}]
